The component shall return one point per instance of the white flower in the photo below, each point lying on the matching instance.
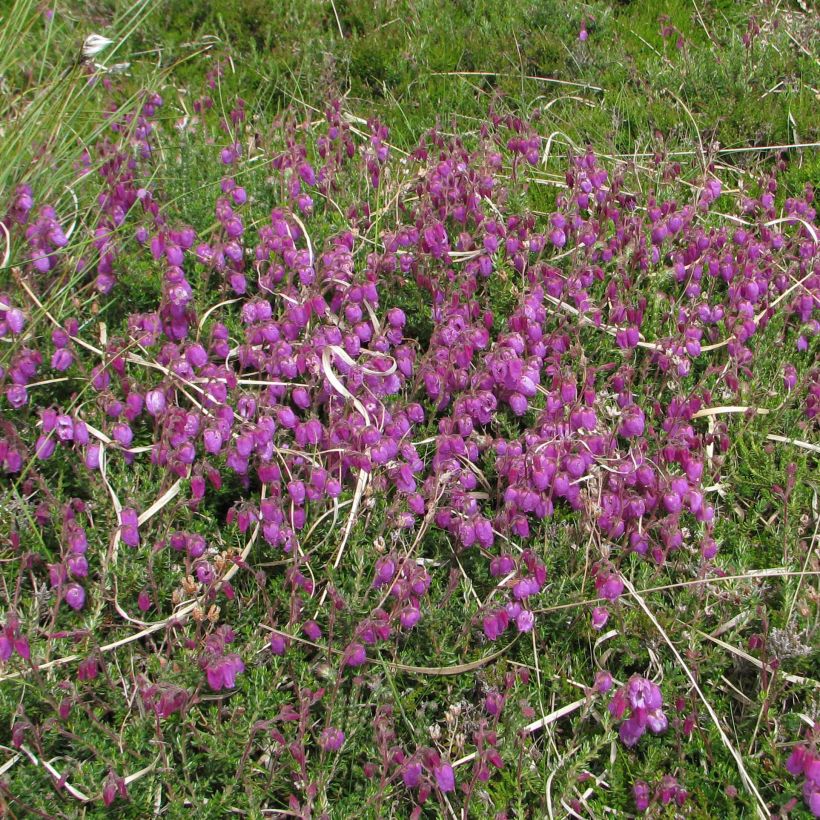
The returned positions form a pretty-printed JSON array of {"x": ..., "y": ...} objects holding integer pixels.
[{"x": 94, "y": 44}]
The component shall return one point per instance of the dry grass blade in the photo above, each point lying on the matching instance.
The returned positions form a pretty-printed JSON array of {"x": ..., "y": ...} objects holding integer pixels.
[
  {"x": 363, "y": 477},
  {"x": 771, "y": 572},
  {"x": 301, "y": 224},
  {"x": 211, "y": 309},
  {"x": 740, "y": 653},
  {"x": 548, "y": 147},
  {"x": 449, "y": 671},
  {"x": 792, "y": 219},
  {"x": 805, "y": 445},
  {"x": 98, "y": 434},
  {"x": 809, "y": 554},
  {"x": 339, "y": 387},
  {"x": 642, "y": 343},
  {"x": 7, "y": 251},
  {"x": 9, "y": 763},
  {"x": 746, "y": 149},
  {"x": 72, "y": 790},
  {"x": 111, "y": 556},
  {"x": 729, "y": 409},
  {"x": 762, "y": 808},
  {"x": 131, "y": 778},
  {"x": 171, "y": 493},
  {"x": 393, "y": 666},
  {"x": 361, "y": 483},
  {"x": 70, "y": 231},
  {"x": 536, "y": 725},
  {"x": 611, "y": 330}
]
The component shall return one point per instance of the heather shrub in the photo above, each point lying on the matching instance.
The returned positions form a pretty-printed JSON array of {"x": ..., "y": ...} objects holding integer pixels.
[{"x": 340, "y": 476}]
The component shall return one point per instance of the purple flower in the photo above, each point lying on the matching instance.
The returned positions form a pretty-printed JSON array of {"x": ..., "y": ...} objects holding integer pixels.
[
  {"x": 6, "y": 647},
  {"x": 231, "y": 667},
  {"x": 789, "y": 376},
  {"x": 603, "y": 682},
  {"x": 76, "y": 538},
  {"x": 631, "y": 730},
  {"x": 600, "y": 615},
  {"x": 312, "y": 630},
  {"x": 355, "y": 655},
  {"x": 657, "y": 721},
  {"x": 62, "y": 359},
  {"x": 92, "y": 457},
  {"x": 558, "y": 237},
  {"x": 331, "y": 739},
  {"x": 445, "y": 777},
  {"x": 45, "y": 447},
  {"x": 222, "y": 671},
  {"x": 409, "y": 617},
  {"x": 609, "y": 586},
  {"x": 109, "y": 792},
  {"x": 812, "y": 769},
  {"x": 129, "y": 525},
  {"x": 64, "y": 428},
  {"x": 296, "y": 490},
  {"x": 78, "y": 565},
  {"x": 278, "y": 644},
  {"x": 632, "y": 423},
  {"x": 88, "y": 669},
  {"x": 672, "y": 502},
  {"x": 525, "y": 621},
  {"x": 123, "y": 435},
  {"x": 645, "y": 704},
  {"x": 16, "y": 320},
  {"x": 495, "y": 624},
  {"x": 494, "y": 703},
  {"x": 643, "y": 694},
  {"x": 411, "y": 775},
  {"x": 803, "y": 761},
  {"x": 212, "y": 439},
  {"x": 155, "y": 402},
  {"x": 16, "y": 395},
  {"x": 811, "y": 795},
  {"x": 641, "y": 793},
  {"x": 75, "y": 596},
  {"x": 171, "y": 699},
  {"x": 797, "y": 760},
  {"x": 385, "y": 570}
]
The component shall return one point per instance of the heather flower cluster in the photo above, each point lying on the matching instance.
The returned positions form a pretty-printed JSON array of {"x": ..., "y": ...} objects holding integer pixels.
[
  {"x": 805, "y": 762},
  {"x": 666, "y": 792},
  {"x": 343, "y": 424},
  {"x": 639, "y": 705}
]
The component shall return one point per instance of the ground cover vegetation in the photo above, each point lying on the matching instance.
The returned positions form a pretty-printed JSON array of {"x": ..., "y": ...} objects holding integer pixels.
[{"x": 409, "y": 409}]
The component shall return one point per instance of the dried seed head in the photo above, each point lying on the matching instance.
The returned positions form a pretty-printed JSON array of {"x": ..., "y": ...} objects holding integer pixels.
[
  {"x": 94, "y": 44},
  {"x": 324, "y": 670}
]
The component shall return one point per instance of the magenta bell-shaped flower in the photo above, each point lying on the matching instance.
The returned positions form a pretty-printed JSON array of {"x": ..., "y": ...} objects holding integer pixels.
[{"x": 75, "y": 596}]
